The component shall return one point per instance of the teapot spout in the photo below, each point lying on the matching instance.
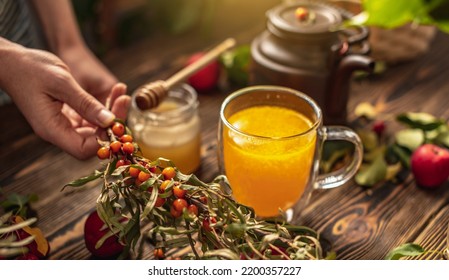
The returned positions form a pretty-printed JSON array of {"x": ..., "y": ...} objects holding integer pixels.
[{"x": 338, "y": 94}]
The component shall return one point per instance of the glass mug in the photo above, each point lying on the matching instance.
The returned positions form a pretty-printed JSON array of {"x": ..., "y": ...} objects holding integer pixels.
[{"x": 270, "y": 141}]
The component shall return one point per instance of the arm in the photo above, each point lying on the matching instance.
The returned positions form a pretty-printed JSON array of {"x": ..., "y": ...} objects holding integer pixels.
[{"x": 64, "y": 39}]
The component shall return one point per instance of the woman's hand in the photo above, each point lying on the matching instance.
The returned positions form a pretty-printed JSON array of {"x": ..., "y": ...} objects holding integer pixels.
[{"x": 55, "y": 104}]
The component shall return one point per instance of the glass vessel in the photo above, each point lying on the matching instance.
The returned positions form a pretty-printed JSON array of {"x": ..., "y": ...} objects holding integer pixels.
[{"x": 171, "y": 130}]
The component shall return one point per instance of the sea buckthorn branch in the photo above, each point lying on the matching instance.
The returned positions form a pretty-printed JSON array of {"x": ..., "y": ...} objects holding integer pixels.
[{"x": 173, "y": 210}]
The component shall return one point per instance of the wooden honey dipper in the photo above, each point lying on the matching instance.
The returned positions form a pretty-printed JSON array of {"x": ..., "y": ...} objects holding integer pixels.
[{"x": 151, "y": 95}]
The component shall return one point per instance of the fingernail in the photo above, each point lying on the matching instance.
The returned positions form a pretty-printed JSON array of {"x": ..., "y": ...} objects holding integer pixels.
[{"x": 105, "y": 117}]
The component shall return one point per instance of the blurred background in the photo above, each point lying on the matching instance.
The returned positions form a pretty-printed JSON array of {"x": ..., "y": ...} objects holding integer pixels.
[{"x": 112, "y": 24}]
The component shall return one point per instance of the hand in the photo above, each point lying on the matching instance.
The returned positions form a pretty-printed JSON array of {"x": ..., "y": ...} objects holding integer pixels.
[
  {"x": 88, "y": 71},
  {"x": 56, "y": 106}
]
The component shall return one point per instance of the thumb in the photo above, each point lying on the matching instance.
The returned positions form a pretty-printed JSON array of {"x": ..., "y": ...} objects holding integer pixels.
[{"x": 87, "y": 106}]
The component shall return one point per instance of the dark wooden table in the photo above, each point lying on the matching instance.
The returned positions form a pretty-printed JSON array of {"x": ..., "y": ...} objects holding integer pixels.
[{"x": 360, "y": 223}]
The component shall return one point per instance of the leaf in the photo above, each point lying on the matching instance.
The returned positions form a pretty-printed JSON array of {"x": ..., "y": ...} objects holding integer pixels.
[
  {"x": 236, "y": 63},
  {"x": 365, "y": 109},
  {"x": 422, "y": 121},
  {"x": 402, "y": 153},
  {"x": 84, "y": 180},
  {"x": 393, "y": 170},
  {"x": 443, "y": 139},
  {"x": 373, "y": 173},
  {"x": 405, "y": 250},
  {"x": 369, "y": 139},
  {"x": 15, "y": 202},
  {"x": 151, "y": 202},
  {"x": 410, "y": 138},
  {"x": 222, "y": 253},
  {"x": 18, "y": 225}
]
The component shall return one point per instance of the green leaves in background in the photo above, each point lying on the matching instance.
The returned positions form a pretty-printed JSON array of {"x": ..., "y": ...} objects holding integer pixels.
[
  {"x": 410, "y": 138},
  {"x": 18, "y": 204},
  {"x": 421, "y": 121},
  {"x": 236, "y": 63},
  {"x": 391, "y": 14},
  {"x": 422, "y": 128},
  {"x": 405, "y": 250}
]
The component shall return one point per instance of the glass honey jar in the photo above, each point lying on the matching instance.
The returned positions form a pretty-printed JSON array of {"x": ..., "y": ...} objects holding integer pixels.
[{"x": 172, "y": 130}]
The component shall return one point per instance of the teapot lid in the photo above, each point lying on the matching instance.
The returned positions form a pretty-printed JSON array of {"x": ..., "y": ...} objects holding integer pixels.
[{"x": 304, "y": 17}]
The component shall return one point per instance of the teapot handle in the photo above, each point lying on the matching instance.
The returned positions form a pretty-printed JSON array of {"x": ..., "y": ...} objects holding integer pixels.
[{"x": 356, "y": 36}]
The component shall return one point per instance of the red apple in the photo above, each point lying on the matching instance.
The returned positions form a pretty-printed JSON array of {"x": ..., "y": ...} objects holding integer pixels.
[
  {"x": 430, "y": 165},
  {"x": 27, "y": 256},
  {"x": 206, "y": 78},
  {"x": 94, "y": 230}
]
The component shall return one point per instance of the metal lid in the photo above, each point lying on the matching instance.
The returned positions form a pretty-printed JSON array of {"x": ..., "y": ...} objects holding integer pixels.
[{"x": 314, "y": 18}]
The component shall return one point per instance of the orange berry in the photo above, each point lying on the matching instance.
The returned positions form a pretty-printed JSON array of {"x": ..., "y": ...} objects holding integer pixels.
[
  {"x": 118, "y": 129},
  {"x": 103, "y": 153},
  {"x": 178, "y": 192},
  {"x": 126, "y": 138},
  {"x": 175, "y": 213},
  {"x": 180, "y": 204},
  {"x": 203, "y": 199},
  {"x": 143, "y": 176},
  {"x": 119, "y": 163},
  {"x": 164, "y": 185},
  {"x": 169, "y": 173},
  {"x": 159, "y": 202},
  {"x": 159, "y": 253},
  {"x": 193, "y": 209},
  {"x": 128, "y": 148},
  {"x": 134, "y": 172},
  {"x": 301, "y": 14},
  {"x": 115, "y": 146}
]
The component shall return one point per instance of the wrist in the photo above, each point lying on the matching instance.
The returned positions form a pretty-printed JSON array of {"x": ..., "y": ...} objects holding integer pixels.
[{"x": 10, "y": 53}]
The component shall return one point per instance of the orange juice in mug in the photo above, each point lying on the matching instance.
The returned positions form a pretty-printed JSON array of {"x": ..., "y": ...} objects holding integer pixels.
[{"x": 269, "y": 147}]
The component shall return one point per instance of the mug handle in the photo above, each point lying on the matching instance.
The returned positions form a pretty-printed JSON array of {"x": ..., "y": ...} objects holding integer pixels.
[{"x": 341, "y": 176}]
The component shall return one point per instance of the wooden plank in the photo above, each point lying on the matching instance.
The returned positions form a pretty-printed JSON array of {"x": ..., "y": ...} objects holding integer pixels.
[{"x": 435, "y": 236}]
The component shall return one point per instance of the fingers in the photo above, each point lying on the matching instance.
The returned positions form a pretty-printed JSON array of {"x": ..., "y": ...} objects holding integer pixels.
[
  {"x": 121, "y": 106},
  {"x": 117, "y": 90},
  {"x": 79, "y": 142},
  {"x": 87, "y": 106}
]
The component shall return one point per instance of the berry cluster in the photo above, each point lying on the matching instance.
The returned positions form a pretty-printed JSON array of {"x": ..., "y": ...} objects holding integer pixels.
[
  {"x": 143, "y": 200},
  {"x": 123, "y": 145}
]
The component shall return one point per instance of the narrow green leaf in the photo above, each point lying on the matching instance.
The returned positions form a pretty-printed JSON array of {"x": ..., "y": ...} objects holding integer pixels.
[
  {"x": 151, "y": 202},
  {"x": 84, "y": 180},
  {"x": 222, "y": 254},
  {"x": 17, "y": 226},
  {"x": 177, "y": 242},
  {"x": 405, "y": 250}
]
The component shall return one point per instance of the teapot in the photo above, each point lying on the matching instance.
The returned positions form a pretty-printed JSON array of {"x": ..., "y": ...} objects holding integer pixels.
[{"x": 305, "y": 47}]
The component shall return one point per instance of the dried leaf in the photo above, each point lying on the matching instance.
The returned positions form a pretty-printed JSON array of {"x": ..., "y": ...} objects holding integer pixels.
[
  {"x": 365, "y": 109},
  {"x": 373, "y": 173}
]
